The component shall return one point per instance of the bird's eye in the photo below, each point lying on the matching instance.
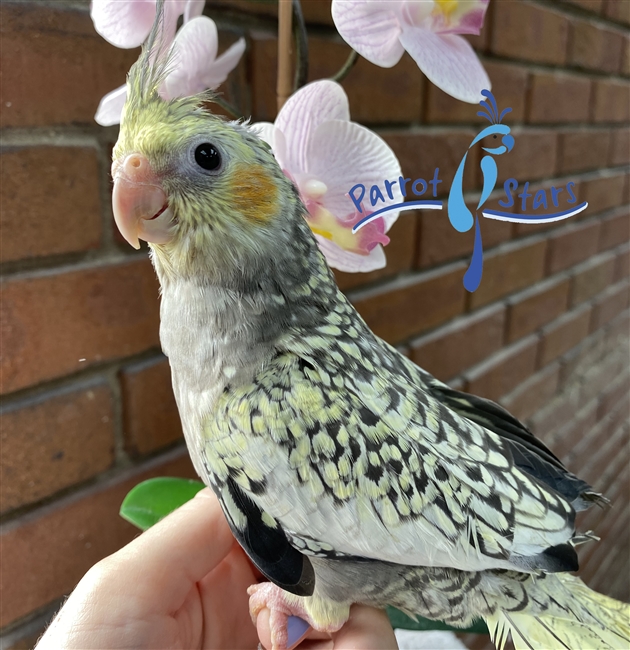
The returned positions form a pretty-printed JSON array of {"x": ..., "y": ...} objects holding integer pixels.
[
  {"x": 494, "y": 136},
  {"x": 207, "y": 156}
]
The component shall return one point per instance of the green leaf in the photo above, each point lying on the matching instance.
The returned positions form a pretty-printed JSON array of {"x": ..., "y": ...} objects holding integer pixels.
[
  {"x": 402, "y": 621},
  {"x": 152, "y": 500}
]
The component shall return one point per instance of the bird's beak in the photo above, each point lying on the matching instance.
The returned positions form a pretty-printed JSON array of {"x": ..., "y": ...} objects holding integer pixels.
[
  {"x": 140, "y": 205},
  {"x": 508, "y": 141}
]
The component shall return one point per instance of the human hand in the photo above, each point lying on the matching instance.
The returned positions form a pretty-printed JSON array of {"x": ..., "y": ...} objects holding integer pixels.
[
  {"x": 366, "y": 629},
  {"x": 183, "y": 584}
]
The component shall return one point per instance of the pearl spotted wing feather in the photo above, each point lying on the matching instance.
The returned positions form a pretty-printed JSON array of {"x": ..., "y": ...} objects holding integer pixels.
[{"x": 339, "y": 440}]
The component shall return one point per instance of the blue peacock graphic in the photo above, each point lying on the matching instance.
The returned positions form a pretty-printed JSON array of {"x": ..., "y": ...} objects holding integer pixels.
[{"x": 459, "y": 214}]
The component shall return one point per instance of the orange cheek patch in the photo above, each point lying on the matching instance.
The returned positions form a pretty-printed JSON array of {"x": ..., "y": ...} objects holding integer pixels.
[{"x": 255, "y": 193}]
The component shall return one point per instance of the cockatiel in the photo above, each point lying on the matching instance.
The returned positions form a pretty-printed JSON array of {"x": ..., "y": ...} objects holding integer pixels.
[{"x": 347, "y": 473}]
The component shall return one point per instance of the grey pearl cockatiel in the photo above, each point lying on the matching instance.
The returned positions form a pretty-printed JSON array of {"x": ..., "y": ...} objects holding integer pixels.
[{"x": 347, "y": 473}]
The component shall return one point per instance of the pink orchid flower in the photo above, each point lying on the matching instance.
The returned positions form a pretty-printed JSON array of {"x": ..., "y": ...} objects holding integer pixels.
[
  {"x": 127, "y": 23},
  {"x": 325, "y": 155},
  {"x": 381, "y": 30}
]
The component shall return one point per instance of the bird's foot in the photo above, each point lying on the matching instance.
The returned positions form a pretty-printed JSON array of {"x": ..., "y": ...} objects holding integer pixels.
[{"x": 290, "y": 615}]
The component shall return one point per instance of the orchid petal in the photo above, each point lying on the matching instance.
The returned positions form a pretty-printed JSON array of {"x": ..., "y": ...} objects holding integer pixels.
[
  {"x": 193, "y": 9},
  {"x": 124, "y": 23},
  {"x": 274, "y": 138},
  {"x": 224, "y": 64},
  {"x": 342, "y": 154},
  {"x": 349, "y": 262},
  {"x": 371, "y": 28},
  {"x": 110, "y": 108},
  {"x": 448, "y": 61},
  {"x": 195, "y": 48},
  {"x": 264, "y": 130},
  {"x": 455, "y": 17},
  {"x": 304, "y": 111}
]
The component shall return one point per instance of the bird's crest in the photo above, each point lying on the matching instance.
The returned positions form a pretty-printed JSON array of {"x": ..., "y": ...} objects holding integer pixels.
[
  {"x": 491, "y": 112},
  {"x": 152, "y": 66}
]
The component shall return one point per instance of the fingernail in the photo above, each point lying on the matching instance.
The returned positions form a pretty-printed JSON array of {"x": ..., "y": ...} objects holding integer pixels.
[{"x": 296, "y": 629}]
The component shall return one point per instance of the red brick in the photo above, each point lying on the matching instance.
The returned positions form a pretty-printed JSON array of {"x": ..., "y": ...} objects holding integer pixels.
[
  {"x": 521, "y": 30},
  {"x": 603, "y": 192},
  {"x": 580, "y": 359},
  {"x": 545, "y": 186},
  {"x": 592, "y": 277},
  {"x": 55, "y": 441},
  {"x": 413, "y": 304},
  {"x": 555, "y": 415},
  {"x": 57, "y": 323},
  {"x": 558, "y": 98},
  {"x": 442, "y": 149},
  {"x": 614, "y": 532},
  {"x": 50, "y": 208},
  {"x": 604, "y": 449},
  {"x": 622, "y": 264},
  {"x": 620, "y": 147},
  {"x": 625, "y": 57},
  {"x": 501, "y": 373},
  {"x": 601, "y": 376},
  {"x": 571, "y": 439},
  {"x": 533, "y": 393},
  {"x": 612, "y": 101},
  {"x": 477, "y": 641},
  {"x": 400, "y": 254},
  {"x": 612, "y": 484},
  {"x": 611, "y": 303},
  {"x": 619, "y": 11},
  {"x": 618, "y": 331},
  {"x": 615, "y": 229},
  {"x": 534, "y": 156},
  {"x": 150, "y": 415},
  {"x": 531, "y": 309},
  {"x": 572, "y": 244},
  {"x": 369, "y": 87},
  {"x": 509, "y": 83},
  {"x": 460, "y": 344},
  {"x": 619, "y": 417},
  {"x": 439, "y": 241},
  {"x": 57, "y": 67},
  {"x": 563, "y": 334},
  {"x": 314, "y": 11},
  {"x": 595, "y": 47},
  {"x": 46, "y": 553},
  {"x": 583, "y": 151},
  {"x": 619, "y": 588},
  {"x": 618, "y": 392},
  {"x": 610, "y": 578},
  {"x": 611, "y": 530},
  {"x": 509, "y": 268}
]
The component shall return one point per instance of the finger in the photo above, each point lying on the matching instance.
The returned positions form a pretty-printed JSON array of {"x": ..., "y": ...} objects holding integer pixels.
[
  {"x": 179, "y": 550},
  {"x": 366, "y": 629},
  {"x": 296, "y": 628}
]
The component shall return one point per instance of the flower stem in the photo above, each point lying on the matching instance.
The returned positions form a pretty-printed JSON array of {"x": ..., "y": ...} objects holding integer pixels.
[
  {"x": 347, "y": 66},
  {"x": 284, "y": 85},
  {"x": 301, "y": 41}
]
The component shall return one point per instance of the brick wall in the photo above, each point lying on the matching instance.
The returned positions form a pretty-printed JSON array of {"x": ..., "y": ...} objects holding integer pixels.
[{"x": 87, "y": 407}]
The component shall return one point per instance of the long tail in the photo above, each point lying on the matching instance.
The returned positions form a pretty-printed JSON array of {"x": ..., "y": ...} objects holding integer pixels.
[{"x": 577, "y": 619}]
